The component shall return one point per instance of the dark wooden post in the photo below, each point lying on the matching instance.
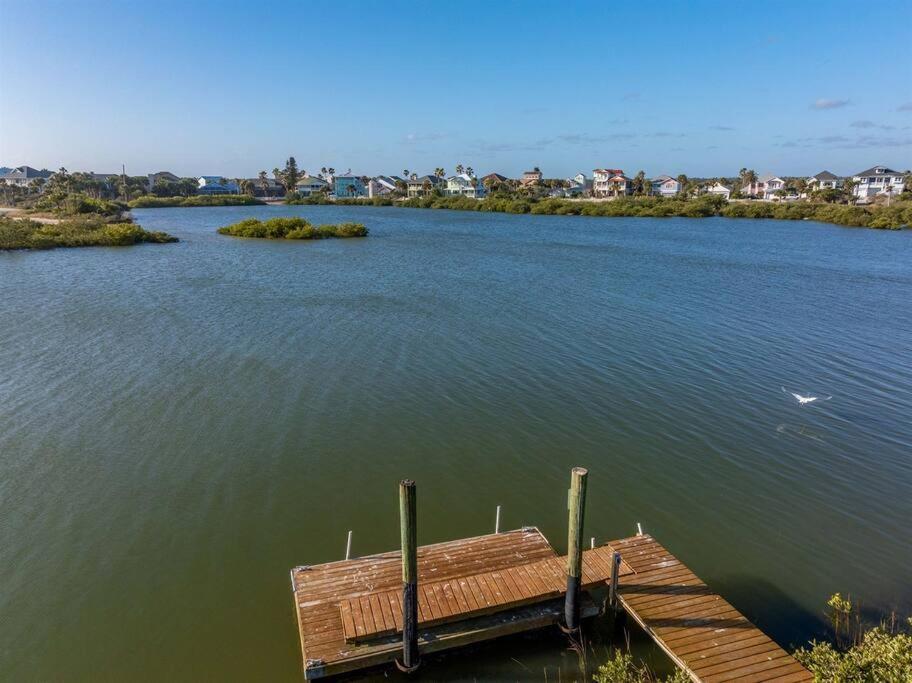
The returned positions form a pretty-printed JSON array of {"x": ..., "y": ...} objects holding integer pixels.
[
  {"x": 615, "y": 572},
  {"x": 577, "y": 507},
  {"x": 408, "y": 524}
]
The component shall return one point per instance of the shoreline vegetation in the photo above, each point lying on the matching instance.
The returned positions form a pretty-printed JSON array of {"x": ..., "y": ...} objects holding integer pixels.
[
  {"x": 25, "y": 233},
  {"x": 293, "y": 228},
  {"x": 895, "y": 217},
  {"x": 151, "y": 201}
]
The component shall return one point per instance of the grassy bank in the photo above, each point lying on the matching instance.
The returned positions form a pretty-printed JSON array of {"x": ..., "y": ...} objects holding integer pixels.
[
  {"x": 149, "y": 201},
  {"x": 894, "y": 217},
  {"x": 75, "y": 232},
  {"x": 292, "y": 229}
]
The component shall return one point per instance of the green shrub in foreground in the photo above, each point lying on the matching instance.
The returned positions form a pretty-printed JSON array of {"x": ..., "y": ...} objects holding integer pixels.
[
  {"x": 27, "y": 234},
  {"x": 292, "y": 228}
]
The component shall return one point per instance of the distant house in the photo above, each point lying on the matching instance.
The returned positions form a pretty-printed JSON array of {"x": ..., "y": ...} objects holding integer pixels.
[
  {"x": 532, "y": 177},
  {"x": 419, "y": 187},
  {"x": 493, "y": 178},
  {"x": 162, "y": 177},
  {"x": 381, "y": 186},
  {"x": 581, "y": 180},
  {"x": 764, "y": 187},
  {"x": 309, "y": 185},
  {"x": 215, "y": 184},
  {"x": 268, "y": 190},
  {"x": 601, "y": 181},
  {"x": 463, "y": 185},
  {"x": 824, "y": 181},
  {"x": 878, "y": 180},
  {"x": 665, "y": 186},
  {"x": 348, "y": 186},
  {"x": 719, "y": 190},
  {"x": 23, "y": 175}
]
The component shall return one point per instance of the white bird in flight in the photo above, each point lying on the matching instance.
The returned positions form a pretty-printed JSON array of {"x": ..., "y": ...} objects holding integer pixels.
[{"x": 802, "y": 400}]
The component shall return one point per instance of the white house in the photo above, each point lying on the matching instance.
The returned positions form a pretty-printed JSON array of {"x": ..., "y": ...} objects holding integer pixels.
[
  {"x": 23, "y": 175},
  {"x": 719, "y": 190},
  {"x": 878, "y": 181},
  {"x": 309, "y": 185},
  {"x": 214, "y": 184},
  {"x": 764, "y": 188},
  {"x": 463, "y": 185},
  {"x": 381, "y": 186},
  {"x": 665, "y": 186},
  {"x": 607, "y": 182},
  {"x": 824, "y": 181}
]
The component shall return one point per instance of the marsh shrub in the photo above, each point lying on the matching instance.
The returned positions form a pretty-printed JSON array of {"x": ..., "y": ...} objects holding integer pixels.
[
  {"x": 292, "y": 228},
  {"x": 621, "y": 668},
  {"x": 84, "y": 232},
  {"x": 150, "y": 201}
]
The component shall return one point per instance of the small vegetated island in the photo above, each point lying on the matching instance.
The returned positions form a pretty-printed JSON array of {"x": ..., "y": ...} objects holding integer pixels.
[
  {"x": 293, "y": 228},
  {"x": 152, "y": 202}
]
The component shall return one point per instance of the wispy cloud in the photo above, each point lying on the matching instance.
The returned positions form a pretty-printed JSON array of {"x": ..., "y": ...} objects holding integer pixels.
[
  {"x": 905, "y": 106},
  {"x": 843, "y": 142},
  {"x": 721, "y": 128},
  {"x": 824, "y": 103},
  {"x": 487, "y": 147},
  {"x": 424, "y": 137},
  {"x": 665, "y": 134},
  {"x": 870, "y": 124}
]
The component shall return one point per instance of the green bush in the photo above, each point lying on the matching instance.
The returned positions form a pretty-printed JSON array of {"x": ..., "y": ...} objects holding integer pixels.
[
  {"x": 150, "y": 201},
  {"x": 622, "y": 669},
  {"x": 292, "y": 228},
  {"x": 82, "y": 232},
  {"x": 882, "y": 653}
]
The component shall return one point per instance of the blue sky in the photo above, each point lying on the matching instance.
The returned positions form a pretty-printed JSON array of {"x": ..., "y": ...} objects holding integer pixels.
[{"x": 231, "y": 88}]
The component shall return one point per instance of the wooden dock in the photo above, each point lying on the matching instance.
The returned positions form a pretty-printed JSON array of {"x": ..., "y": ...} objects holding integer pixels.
[
  {"x": 362, "y": 613},
  {"x": 701, "y": 632}
]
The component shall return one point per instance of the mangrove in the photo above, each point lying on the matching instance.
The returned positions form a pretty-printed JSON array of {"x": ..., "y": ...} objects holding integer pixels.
[{"x": 293, "y": 228}]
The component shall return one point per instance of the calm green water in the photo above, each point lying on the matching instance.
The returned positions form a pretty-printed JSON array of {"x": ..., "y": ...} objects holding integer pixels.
[{"x": 180, "y": 425}]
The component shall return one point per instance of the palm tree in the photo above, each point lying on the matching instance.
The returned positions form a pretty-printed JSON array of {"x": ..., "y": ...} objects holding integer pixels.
[
  {"x": 263, "y": 179},
  {"x": 459, "y": 169},
  {"x": 470, "y": 172},
  {"x": 639, "y": 183},
  {"x": 439, "y": 172},
  {"x": 405, "y": 173}
]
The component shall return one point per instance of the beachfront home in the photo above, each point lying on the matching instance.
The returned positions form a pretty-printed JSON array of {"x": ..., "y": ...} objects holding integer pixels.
[
  {"x": 665, "y": 186},
  {"x": 824, "y": 181},
  {"x": 425, "y": 185},
  {"x": 348, "y": 186},
  {"x": 464, "y": 185},
  {"x": 24, "y": 175},
  {"x": 216, "y": 184},
  {"x": 162, "y": 177},
  {"x": 878, "y": 181},
  {"x": 310, "y": 185},
  {"x": 719, "y": 190},
  {"x": 493, "y": 179},
  {"x": 601, "y": 181},
  {"x": 764, "y": 187},
  {"x": 381, "y": 186},
  {"x": 532, "y": 177}
]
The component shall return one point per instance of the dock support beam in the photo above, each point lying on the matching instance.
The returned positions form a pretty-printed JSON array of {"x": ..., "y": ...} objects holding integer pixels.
[
  {"x": 576, "y": 505},
  {"x": 408, "y": 524}
]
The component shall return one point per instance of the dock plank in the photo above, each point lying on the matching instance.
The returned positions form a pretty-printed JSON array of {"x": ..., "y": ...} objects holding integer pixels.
[{"x": 701, "y": 632}]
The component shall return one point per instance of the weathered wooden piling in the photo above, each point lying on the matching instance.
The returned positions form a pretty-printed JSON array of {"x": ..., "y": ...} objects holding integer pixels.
[
  {"x": 576, "y": 505},
  {"x": 409, "y": 535}
]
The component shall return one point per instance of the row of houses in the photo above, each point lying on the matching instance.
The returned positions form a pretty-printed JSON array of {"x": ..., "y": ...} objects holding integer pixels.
[
  {"x": 870, "y": 183},
  {"x": 605, "y": 182}
]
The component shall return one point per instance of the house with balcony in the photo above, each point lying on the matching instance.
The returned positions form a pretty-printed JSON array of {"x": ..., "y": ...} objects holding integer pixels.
[
  {"x": 425, "y": 185},
  {"x": 824, "y": 181},
  {"x": 532, "y": 177},
  {"x": 382, "y": 185},
  {"x": 665, "y": 186},
  {"x": 878, "y": 181},
  {"x": 601, "y": 181},
  {"x": 463, "y": 185},
  {"x": 349, "y": 187},
  {"x": 764, "y": 187},
  {"x": 310, "y": 185}
]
